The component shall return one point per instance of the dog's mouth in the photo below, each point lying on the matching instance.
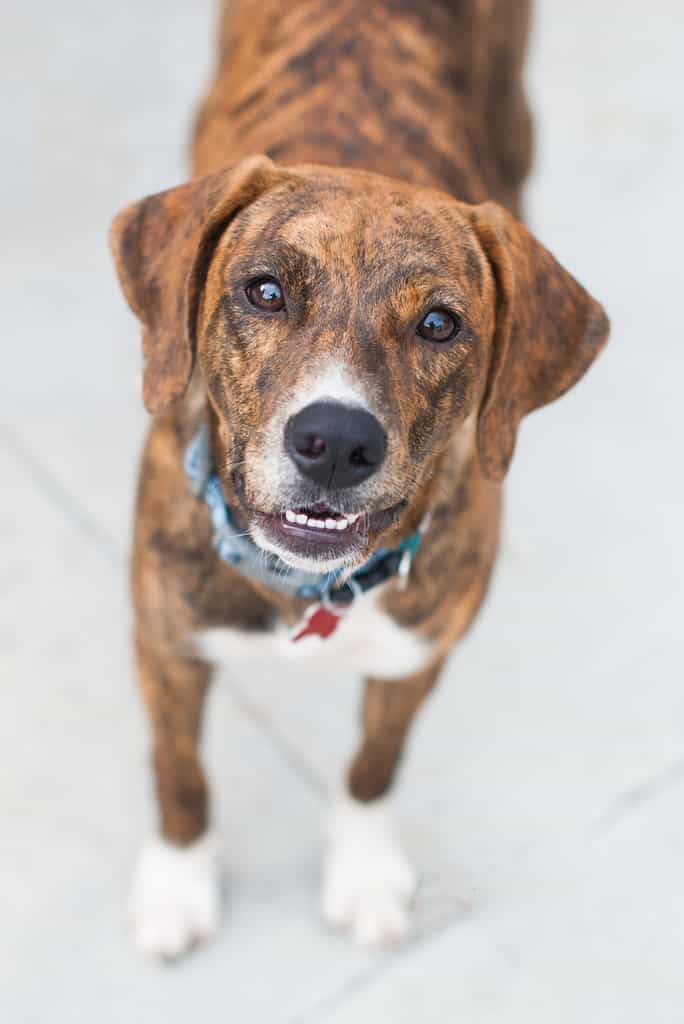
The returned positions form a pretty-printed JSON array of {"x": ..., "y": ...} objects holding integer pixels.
[
  {"x": 322, "y": 533},
  {"x": 319, "y": 532}
]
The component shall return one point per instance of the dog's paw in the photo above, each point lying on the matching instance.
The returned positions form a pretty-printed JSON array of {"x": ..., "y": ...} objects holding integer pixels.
[
  {"x": 176, "y": 898},
  {"x": 368, "y": 882}
]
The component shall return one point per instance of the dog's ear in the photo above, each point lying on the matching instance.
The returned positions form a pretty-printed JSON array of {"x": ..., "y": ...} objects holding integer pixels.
[
  {"x": 162, "y": 247},
  {"x": 548, "y": 331}
]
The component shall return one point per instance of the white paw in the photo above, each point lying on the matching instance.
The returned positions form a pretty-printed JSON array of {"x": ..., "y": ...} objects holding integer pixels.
[
  {"x": 176, "y": 897},
  {"x": 368, "y": 882}
]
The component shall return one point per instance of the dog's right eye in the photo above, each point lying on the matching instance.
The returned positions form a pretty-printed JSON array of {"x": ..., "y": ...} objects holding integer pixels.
[
  {"x": 439, "y": 326},
  {"x": 265, "y": 293}
]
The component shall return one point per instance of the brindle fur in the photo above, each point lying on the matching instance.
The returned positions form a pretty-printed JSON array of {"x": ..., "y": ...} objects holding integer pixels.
[{"x": 428, "y": 93}]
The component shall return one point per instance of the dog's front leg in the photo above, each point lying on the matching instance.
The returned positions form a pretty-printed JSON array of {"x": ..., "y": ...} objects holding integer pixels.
[
  {"x": 176, "y": 893},
  {"x": 368, "y": 882}
]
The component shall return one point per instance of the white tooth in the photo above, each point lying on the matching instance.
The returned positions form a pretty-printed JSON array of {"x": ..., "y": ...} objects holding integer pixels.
[
  {"x": 290, "y": 516},
  {"x": 318, "y": 524},
  {"x": 331, "y": 524},
  {"x": 353, "y": 518},
  {"x": 342, "y": 524},
  {"x": 301, "y": 519}
]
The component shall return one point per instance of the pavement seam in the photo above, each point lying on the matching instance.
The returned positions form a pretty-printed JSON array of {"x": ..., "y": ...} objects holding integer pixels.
[
  {"x": 57, "y": 494},
  {"x": 631, "y": 800},
  {"x": 362, "y": 980},
  {"x": 304, "y": 768}
]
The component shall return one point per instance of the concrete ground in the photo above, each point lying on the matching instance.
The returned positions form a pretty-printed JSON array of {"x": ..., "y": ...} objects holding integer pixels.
[{"x": 543, "y": 797}]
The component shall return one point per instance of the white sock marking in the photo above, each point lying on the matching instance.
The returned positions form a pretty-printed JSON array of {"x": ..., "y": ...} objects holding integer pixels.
[
  {"x": 368, "y": 882},
  {"x": 175, "y": 901}
]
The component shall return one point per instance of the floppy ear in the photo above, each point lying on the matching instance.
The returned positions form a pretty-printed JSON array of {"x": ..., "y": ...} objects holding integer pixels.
[
  {"x": 548, "y": 332},
  {"x": 162, "y": 247}
]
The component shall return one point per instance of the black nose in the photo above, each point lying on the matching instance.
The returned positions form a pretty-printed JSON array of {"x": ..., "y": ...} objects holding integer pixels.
[{"x": 335, "y": 445}]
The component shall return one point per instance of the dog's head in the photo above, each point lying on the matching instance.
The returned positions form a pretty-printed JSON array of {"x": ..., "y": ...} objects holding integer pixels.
[{"x": 345, "y": 327}]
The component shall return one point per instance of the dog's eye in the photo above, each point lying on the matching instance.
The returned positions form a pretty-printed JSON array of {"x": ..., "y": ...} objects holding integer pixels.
[
  {"x": 438, "y": 325},
  {"x": 266, "y": 293}
]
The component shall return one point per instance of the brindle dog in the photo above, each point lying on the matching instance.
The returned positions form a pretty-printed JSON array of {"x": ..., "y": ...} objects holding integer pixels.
[{"x": 376, "y": 272}]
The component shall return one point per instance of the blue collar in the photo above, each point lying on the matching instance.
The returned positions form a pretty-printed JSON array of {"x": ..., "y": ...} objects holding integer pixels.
[{"x": 237, "y": 548}]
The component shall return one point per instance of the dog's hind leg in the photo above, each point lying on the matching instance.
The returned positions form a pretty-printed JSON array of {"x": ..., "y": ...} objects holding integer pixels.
[
  {"x": 176, "y": 893},
  {"x": 368, "y": 882}
]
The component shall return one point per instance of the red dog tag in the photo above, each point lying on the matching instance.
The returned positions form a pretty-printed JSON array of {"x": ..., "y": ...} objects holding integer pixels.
[{"x": 319, "y": 620}]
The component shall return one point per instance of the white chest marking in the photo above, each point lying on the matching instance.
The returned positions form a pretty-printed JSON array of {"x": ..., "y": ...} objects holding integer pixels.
[{"x": 366, "y": 641}]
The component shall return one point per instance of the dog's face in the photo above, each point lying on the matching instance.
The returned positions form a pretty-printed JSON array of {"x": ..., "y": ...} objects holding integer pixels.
[{"x": 345, "y": 327}]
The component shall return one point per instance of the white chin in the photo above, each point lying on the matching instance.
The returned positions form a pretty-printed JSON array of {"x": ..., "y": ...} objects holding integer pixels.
[{"x": 314, "y": 564}]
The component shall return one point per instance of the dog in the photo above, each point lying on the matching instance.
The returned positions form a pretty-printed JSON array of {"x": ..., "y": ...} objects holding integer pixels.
[{"x": 344, "y": 322}]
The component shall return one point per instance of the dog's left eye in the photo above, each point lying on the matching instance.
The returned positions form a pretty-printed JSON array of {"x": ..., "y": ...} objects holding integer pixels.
[
  {"x": 439, "y": 326},
  {"x": 266, "y": 293}
]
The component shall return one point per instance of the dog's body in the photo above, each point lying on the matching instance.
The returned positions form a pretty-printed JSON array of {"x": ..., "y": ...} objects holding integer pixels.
[{"x": 428, "y": 93}]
